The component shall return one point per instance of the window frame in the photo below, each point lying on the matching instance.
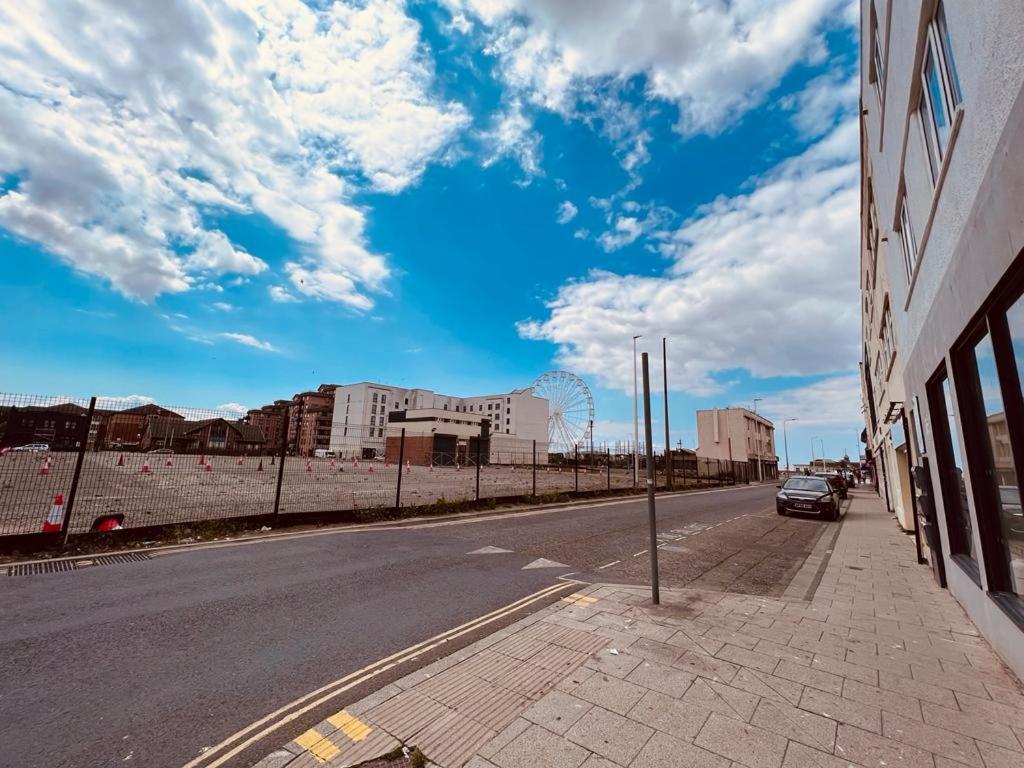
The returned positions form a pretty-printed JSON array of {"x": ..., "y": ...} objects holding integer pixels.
[
  {"x": 991, "y": 319},
  {"x": 945, "y": 461},
  {"x": 907, "y": 238}
]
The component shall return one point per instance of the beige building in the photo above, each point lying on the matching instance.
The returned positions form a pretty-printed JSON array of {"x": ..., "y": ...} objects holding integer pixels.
[
  {"x": 942, "y": 123},
  {"x": 360, "y": 420},
  {"x": 738, "y": 434}
]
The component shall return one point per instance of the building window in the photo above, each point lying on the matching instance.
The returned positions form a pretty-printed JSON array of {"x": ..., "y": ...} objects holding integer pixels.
[
  {"x": 888, "y": 340},
  {"x": 383, "y": 398},
  {"x": 373, "y": 409},
  {"x": 508, "y": 401},
  {"x": 907, "y": 239},
  {"x": 992, "y": 413},
  {"x": 946, "y": 46},
  {"x": 380, "y": 433},
  {"x": 951, "y": 474},
  {"x": 877, "y": 62}
]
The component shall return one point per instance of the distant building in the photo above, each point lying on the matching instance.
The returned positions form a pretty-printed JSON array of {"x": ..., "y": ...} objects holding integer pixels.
[
  {"x": 215, "y": 436},
  {"x": 60, "y": 426},
  {"x": 309, "y": 420},
  {"x": 271, "y": 419},
  {"x": 123, "y": 429},
  {"x": 437, "y": 437},
  {"x": 361, "y": 410},
  {"x": 738, "y": 434}
]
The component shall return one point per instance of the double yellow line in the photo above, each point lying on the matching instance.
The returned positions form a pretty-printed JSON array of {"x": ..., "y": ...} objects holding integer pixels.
[{"x": 219, "y": 754}]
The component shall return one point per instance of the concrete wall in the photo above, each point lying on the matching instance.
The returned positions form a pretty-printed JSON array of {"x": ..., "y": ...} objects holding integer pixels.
[{"x": 970, "y": 225}]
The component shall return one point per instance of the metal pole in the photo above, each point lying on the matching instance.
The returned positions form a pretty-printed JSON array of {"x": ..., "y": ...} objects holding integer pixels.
[
  {"x": 576, "y": 467},
  {"x": 785, "y": 441},
  {"x": 65, "y": 525},
  {"x": 478, "y": 441},
  {"x": 757, "y": 438},
  {"x": 280, "y": 466},
  {"x": 608, "y": 460},
  {"x": 652, "y": 517},
  {"x": 401, "y": 457},
  {"x": 668, "y": 441},
  {"x": 636, "y": 423},
  {"x": 535, "y": 468}
]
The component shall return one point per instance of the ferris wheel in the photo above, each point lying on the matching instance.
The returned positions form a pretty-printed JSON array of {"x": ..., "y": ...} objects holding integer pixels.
[{"x": 570, "y": 409}]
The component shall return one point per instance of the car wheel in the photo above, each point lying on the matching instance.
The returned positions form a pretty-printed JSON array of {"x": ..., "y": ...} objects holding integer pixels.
[{"x": 781, "y": 511}]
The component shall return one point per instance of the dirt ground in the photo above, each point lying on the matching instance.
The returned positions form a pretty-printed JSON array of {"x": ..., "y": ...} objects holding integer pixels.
[{"x": 177, "y": 488}]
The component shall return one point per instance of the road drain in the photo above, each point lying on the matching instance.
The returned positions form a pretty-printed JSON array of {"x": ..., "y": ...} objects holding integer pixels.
[{"x": 62, "y": 566}]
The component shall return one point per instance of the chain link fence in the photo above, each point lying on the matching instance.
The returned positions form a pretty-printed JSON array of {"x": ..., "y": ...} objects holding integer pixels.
[{"x": 71, "y": 465}]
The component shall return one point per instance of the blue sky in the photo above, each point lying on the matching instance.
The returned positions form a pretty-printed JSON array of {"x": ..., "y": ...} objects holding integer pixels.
[{"x": 238, "y": 201}]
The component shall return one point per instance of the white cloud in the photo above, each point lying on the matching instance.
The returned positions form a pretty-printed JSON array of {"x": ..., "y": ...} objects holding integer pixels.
[
  {"x": 234, "y": 408},
  {"x": 764, "y": 281},
  {"x": 249, "y": 341},
  {"x": 714, "y": 59},
  {"x": 512, "y": 135},
  {"x": 627, "y": 229},
  {"x": 223, "y": 306},
  {"x": 119, "y": 402},
  {"x": 280, "y": 294},
  {"x": 567, "y": 212},
  {"x": 823, "y": 101},
  {"x": 581, "y": 234},
  {"x": 831, "y": 402},
  {"x": 124, "y": 127}
]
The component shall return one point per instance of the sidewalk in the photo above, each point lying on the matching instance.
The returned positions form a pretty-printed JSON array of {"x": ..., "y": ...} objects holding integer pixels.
[{"x": 863, "y": 661}]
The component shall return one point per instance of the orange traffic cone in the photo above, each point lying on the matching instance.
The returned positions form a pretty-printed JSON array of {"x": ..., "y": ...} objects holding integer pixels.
[
  {"x": 120, "y": 459},
  {"x": 408, "y": 467},
  {"x": 202, "y": 459},
  {"x": 332, "y": 463},
  {"x": 458, "y": 468},
  {"x": 309, "y": 465},
  {"x": 169, "y": 463},
  {"x": 431, "y": 467},
  {"x": 145, "y": 467},
  {"x": 45, "y": 468},
  {"x": 53, "y": 522},
  {"x": 371, "y": 469},
  {"x": 209, "y": 466},
  {"x": 239, "y": 461},
  {"x": 260, "y": 467}
]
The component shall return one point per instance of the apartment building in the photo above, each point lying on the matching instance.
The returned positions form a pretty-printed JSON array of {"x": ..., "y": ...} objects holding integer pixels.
[
  {"x": 738, "y": 434},
  {"x": 942, "y": 121},
  {"x": 309, "y": 420},
  {"x": 360, "y": 422}
]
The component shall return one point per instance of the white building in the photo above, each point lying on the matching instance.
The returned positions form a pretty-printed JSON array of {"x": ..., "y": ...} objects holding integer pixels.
[
  {"x": 360, "y": 423},
  {"x": 942, "y": 121}
]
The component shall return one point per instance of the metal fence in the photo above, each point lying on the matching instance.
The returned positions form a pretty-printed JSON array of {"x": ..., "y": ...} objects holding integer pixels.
[{"x": 71, "y": 465}]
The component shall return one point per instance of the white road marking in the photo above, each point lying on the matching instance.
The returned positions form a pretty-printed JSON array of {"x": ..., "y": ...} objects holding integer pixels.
[
  {"x": 641, "y": 552},
  {"x": 608, "y": 565}
]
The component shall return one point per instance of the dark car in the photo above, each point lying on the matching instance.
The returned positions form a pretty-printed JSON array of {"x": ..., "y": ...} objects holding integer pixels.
[
  {"x": 837, "y": 481},
  {"x": 1013, "y": 516},
  {"x": 813, "y": 495}
]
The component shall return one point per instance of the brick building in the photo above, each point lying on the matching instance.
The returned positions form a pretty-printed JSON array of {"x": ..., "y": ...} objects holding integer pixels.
[
  {"x": 216, "y": 436},
  {"x": 124, "y": 429}
]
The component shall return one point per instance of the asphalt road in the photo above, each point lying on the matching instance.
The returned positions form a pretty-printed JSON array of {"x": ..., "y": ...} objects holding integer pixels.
[{"x": 147, "y": 663}]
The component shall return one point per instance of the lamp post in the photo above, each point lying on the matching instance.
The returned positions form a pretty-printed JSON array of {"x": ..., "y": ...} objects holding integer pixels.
[
  {"x": 785, "y": 440},
  {"x": 757, "y": 439},
  {"x": 822, "y": 441},
  {"x": 636, "y": 422}
]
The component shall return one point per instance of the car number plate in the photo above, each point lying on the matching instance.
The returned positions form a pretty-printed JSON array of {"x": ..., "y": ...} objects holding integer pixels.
[{"x": 799, "y": 505}]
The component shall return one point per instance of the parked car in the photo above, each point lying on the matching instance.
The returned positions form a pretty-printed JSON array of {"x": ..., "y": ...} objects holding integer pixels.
[
  {"x": 162, "y": 451},
  {"x": 33, "y": 448},
  {"x": 1013, "y": 516},
  {"x": 837, "y": 481},
  {"x": 809, "y": 494}
]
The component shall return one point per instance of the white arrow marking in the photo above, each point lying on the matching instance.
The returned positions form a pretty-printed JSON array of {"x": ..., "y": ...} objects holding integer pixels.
[
  {"x": 489, "y": 551},
  {"x": 544, "y": 563}
]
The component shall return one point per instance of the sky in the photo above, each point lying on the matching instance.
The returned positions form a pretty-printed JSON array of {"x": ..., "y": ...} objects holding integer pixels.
[{"x": 225, "y": 203}]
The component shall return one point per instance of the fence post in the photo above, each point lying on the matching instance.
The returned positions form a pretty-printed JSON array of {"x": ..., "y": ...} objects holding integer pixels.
[
  {"x": 535, "y": 469},
  {"x": 576, "y": 467},
  {"x": 478, "y": 441},
  {"x": 608, "y": 462},
  {"x": 401, "y": 457},
  {"x": 65, "y": 525},
  {"x": 280, "y": 466},
  {"x": 718, "y": 472}
]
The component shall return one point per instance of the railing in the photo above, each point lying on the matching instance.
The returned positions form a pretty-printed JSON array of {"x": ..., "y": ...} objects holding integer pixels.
[{"x": 102, "y": 464}]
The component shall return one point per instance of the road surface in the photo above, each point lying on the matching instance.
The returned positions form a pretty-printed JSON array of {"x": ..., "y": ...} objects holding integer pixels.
[{"x": 147, "y": 663}]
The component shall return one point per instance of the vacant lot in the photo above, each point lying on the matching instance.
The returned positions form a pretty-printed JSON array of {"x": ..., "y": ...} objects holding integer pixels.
[{"x": 179, "y": 489}]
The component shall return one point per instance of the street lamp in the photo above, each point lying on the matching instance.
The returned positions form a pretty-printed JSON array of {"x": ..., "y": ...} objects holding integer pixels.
[
  {"x": 822, "y": 441},
  {"x": 636, "y": 422},
  {"x": 757, "y": 439},
  {"x": 785, "y": 440}
]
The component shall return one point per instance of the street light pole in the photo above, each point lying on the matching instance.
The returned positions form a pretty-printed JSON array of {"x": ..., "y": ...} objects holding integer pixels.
[
  {"x": 785, "y": 440},
  {"x": 757, "y": 437},
  {"x": 636, "y": 422},
  {"x": 668, "y": 444}
]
